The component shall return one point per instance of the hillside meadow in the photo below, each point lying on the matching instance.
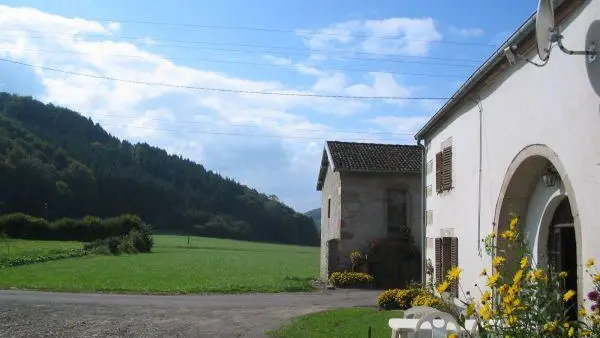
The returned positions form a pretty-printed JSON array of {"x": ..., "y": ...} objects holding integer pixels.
[{"x": 206, "y": 265}]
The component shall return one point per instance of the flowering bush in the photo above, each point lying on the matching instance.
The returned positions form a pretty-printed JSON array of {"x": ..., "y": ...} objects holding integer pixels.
[
  {"x": 357, "y": 259},
  {"x": 350, "y": 278},
  {"x": 405, "y": 298},
  {"x": 525, "y": 300}
]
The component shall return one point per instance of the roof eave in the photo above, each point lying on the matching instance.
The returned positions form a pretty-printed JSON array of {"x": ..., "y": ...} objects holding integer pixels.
[{"x": 498, "y": 56}]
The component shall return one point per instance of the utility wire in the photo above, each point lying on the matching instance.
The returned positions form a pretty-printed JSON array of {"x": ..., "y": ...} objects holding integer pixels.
[
  {"x": 208, "y": 132},
  {"x": 289, "y": 67},
  {"x": 296, "y": 32},
  {"x": 471, "y": 66},
  {"x": 211, "y": 43},
  {"x": 225, "y": 89},
  {"x": 189, "y": 122}
]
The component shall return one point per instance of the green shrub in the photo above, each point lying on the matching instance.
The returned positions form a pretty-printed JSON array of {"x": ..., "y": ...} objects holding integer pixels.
[
  {"x": 350, "y": 278},
  {"x": 142, "y": 238},
  {"x": 101, "y": 250},
  {"x": 24, "y": 260},
  {"x": 126, "y": 246},
  {"x": 387, "y": 299}
]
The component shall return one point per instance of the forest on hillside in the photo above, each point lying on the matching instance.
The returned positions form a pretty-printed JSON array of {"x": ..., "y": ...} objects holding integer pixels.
[{"x": 56, "y": 163}]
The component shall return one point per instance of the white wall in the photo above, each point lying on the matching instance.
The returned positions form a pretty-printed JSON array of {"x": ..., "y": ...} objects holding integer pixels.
[{"x": 554, "y": 105}]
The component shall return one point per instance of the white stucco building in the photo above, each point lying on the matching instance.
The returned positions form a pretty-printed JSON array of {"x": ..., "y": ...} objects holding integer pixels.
[{"x": 488, "y": 148}]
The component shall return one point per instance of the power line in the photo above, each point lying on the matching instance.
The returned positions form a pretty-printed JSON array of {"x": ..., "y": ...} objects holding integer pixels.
[
  {"x": 277, "y": 30},
  {"x": 225, "y": 89},
  {"x": 291, "y": 54},
  {"x": 207, "y": 132},
  {"x": 211, "y": 43},
  {"x": 289, "y": 67},
  {"x": 188, "y": 122}
]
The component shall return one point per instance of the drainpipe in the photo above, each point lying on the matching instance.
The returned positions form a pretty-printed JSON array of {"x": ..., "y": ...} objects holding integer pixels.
[
  {"x": 480, "y": 108},
  {"x": 423, "y": 211}
]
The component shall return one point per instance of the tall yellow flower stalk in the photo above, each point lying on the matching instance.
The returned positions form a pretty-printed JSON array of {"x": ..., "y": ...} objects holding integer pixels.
[{"x": 521, "y": 299}]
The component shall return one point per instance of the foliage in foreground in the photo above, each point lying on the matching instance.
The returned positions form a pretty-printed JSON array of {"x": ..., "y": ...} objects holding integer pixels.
[
  {"x": 138, "y": 240},
  {"x": 347, "y": 323},
  {"x": 527, "y": 300},
  {"x": 405, "y": 298}
]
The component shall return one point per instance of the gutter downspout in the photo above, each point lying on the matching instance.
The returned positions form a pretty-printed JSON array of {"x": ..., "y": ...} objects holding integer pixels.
[
  {"x": 480, "y": 108},
  {"x": 423, "y": 211}
]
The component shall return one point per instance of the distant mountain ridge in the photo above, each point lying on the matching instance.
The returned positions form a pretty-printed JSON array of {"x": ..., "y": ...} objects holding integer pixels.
[
  {"x": 315, "y": 214},
  {"x": 56, "y": 163}
]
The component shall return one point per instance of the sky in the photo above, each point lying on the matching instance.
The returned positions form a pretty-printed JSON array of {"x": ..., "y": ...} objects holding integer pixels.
[{"x": 414, "y": 53}]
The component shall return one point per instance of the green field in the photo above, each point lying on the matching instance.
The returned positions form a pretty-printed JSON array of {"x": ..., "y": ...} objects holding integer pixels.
[
  {"x": 346, "y": 323},
  {"x": 207, "y": 265},
  {"x": 21, "y": 247}
]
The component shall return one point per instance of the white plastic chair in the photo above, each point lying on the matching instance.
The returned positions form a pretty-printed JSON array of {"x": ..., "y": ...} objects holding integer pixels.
[
  {"x": 418, "y": 311},
  {"x": 440, "y": 325}
]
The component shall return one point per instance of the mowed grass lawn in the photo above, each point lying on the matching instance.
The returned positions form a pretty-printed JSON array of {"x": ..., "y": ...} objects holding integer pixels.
[
  {"x": 206, "y": 266},
  {"x": 28, "y": 248},
  {"x": 339, "y": 323}
]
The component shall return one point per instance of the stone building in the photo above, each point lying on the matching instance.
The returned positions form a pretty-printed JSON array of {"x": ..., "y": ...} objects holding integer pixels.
[{"x": 371, "y": 194}]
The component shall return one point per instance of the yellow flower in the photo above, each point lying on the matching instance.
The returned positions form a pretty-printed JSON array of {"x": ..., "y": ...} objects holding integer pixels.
[
  {"x": 582, "y": 312},
  {"x": 509, "y": 235},
  {"x": 498, "y": 260},
  {"x": 486, "y": 296},
  {"x": 452, "y": 335},
  {"x": 483, "y": 272},
  {"x": 512, "y": 319},
  {"x": 518, "y": 276},
  {"x": 503, "y": 288},
  {"x": 597, "y": 278},
  {"x": 470, "y": 310},
  {"x": 538, "y": 274},
  {"x": 492, "y": 235},
  {"x": 493, "y": 279},
  {"x": 443, "y": 287},
  {"x": 571, "y": 332},
  {"x": 454, "y": 273},
  {"x": 523, "y": 262},
  {"x": 513, "y": 223},
  {"x": 590, "y": 262},
  {"x": 563, "y": 274},
  {"x": 568, "y": 295},
  {"x": 586, "y": 333},
  {"x": 486, "y": 313}
]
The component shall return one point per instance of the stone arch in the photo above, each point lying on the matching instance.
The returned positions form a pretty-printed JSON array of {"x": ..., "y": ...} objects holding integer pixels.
[{"x": 518, "y": 186}]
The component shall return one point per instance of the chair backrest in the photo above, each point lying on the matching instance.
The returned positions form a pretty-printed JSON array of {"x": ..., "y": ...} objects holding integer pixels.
[
  {"x": 437, "y": 325},
  {"x": 418, "y": 311}
]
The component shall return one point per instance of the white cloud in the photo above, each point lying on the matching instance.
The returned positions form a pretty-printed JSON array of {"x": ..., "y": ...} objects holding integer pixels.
[
  {"x": 278, "y": 60},
  {"x": 114, "y": 26},
  {"x": 182, "y": 120},
  {"x": 467, "y": 32},
  {"x": 402, "y": 36},
  {"x": 404, "y": 127}
]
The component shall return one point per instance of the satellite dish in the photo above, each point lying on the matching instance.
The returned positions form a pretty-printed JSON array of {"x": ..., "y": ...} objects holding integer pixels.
[{"x": 544, "y": 28}]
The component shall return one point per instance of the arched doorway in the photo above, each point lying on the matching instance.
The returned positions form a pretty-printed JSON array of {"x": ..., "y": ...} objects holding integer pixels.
[
  {"x": 561, "y": 247},
  {"x": 548, "y": 211}
]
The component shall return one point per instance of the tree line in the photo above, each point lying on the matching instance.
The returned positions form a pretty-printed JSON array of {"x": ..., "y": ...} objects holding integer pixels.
[{"x": 55, "y": 163}]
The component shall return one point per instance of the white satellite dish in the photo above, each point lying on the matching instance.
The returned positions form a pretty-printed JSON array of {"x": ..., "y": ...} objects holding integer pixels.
[
  {"x": 547, "y": 33},
  {"x": 544, "y": 28}
]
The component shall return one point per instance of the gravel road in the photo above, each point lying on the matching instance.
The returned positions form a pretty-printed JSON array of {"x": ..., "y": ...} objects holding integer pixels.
[{"x": 46, "y": 314}]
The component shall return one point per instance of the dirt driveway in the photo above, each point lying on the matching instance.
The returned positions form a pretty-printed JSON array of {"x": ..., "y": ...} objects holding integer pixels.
[{"x": 46, "y": 314}]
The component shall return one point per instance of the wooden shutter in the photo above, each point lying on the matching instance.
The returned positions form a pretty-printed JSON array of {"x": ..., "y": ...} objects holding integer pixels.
[
  {"x": 439, "y": 187},
  {"x": 439, "y": 276},
  {"x": 454, "y": 262},
  {"x": 447, "y": 168}
]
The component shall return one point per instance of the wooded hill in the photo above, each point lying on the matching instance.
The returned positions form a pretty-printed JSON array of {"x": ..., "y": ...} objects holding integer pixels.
[{"x": 56, "y": 163}]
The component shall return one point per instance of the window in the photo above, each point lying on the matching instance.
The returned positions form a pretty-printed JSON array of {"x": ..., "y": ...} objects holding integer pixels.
[
  {"x": 396, "y": 210},
  {"x": 446, "y": 257},
  {"x": 443, "y": 170},
  {"x": 329, "y": 207}
]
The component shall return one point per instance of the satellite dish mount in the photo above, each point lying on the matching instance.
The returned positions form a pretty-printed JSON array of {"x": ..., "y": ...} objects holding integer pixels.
[{"x": 547, "y": 33}]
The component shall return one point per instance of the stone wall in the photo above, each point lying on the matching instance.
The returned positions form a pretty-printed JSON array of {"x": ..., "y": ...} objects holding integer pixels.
[{"x": 330, "y": 224}]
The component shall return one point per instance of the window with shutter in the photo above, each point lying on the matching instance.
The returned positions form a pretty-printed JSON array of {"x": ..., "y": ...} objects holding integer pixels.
[
  {"x": 454, "y": 262},
  {"x": 447, "y": 168},
  {"x": 438, "y": 261},
  {"x": 446, "y": 257},
  {"x": 438, "y": 173}
]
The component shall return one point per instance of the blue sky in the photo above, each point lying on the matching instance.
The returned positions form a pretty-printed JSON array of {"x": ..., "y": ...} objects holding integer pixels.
[{"x": 272, "y": 143}]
